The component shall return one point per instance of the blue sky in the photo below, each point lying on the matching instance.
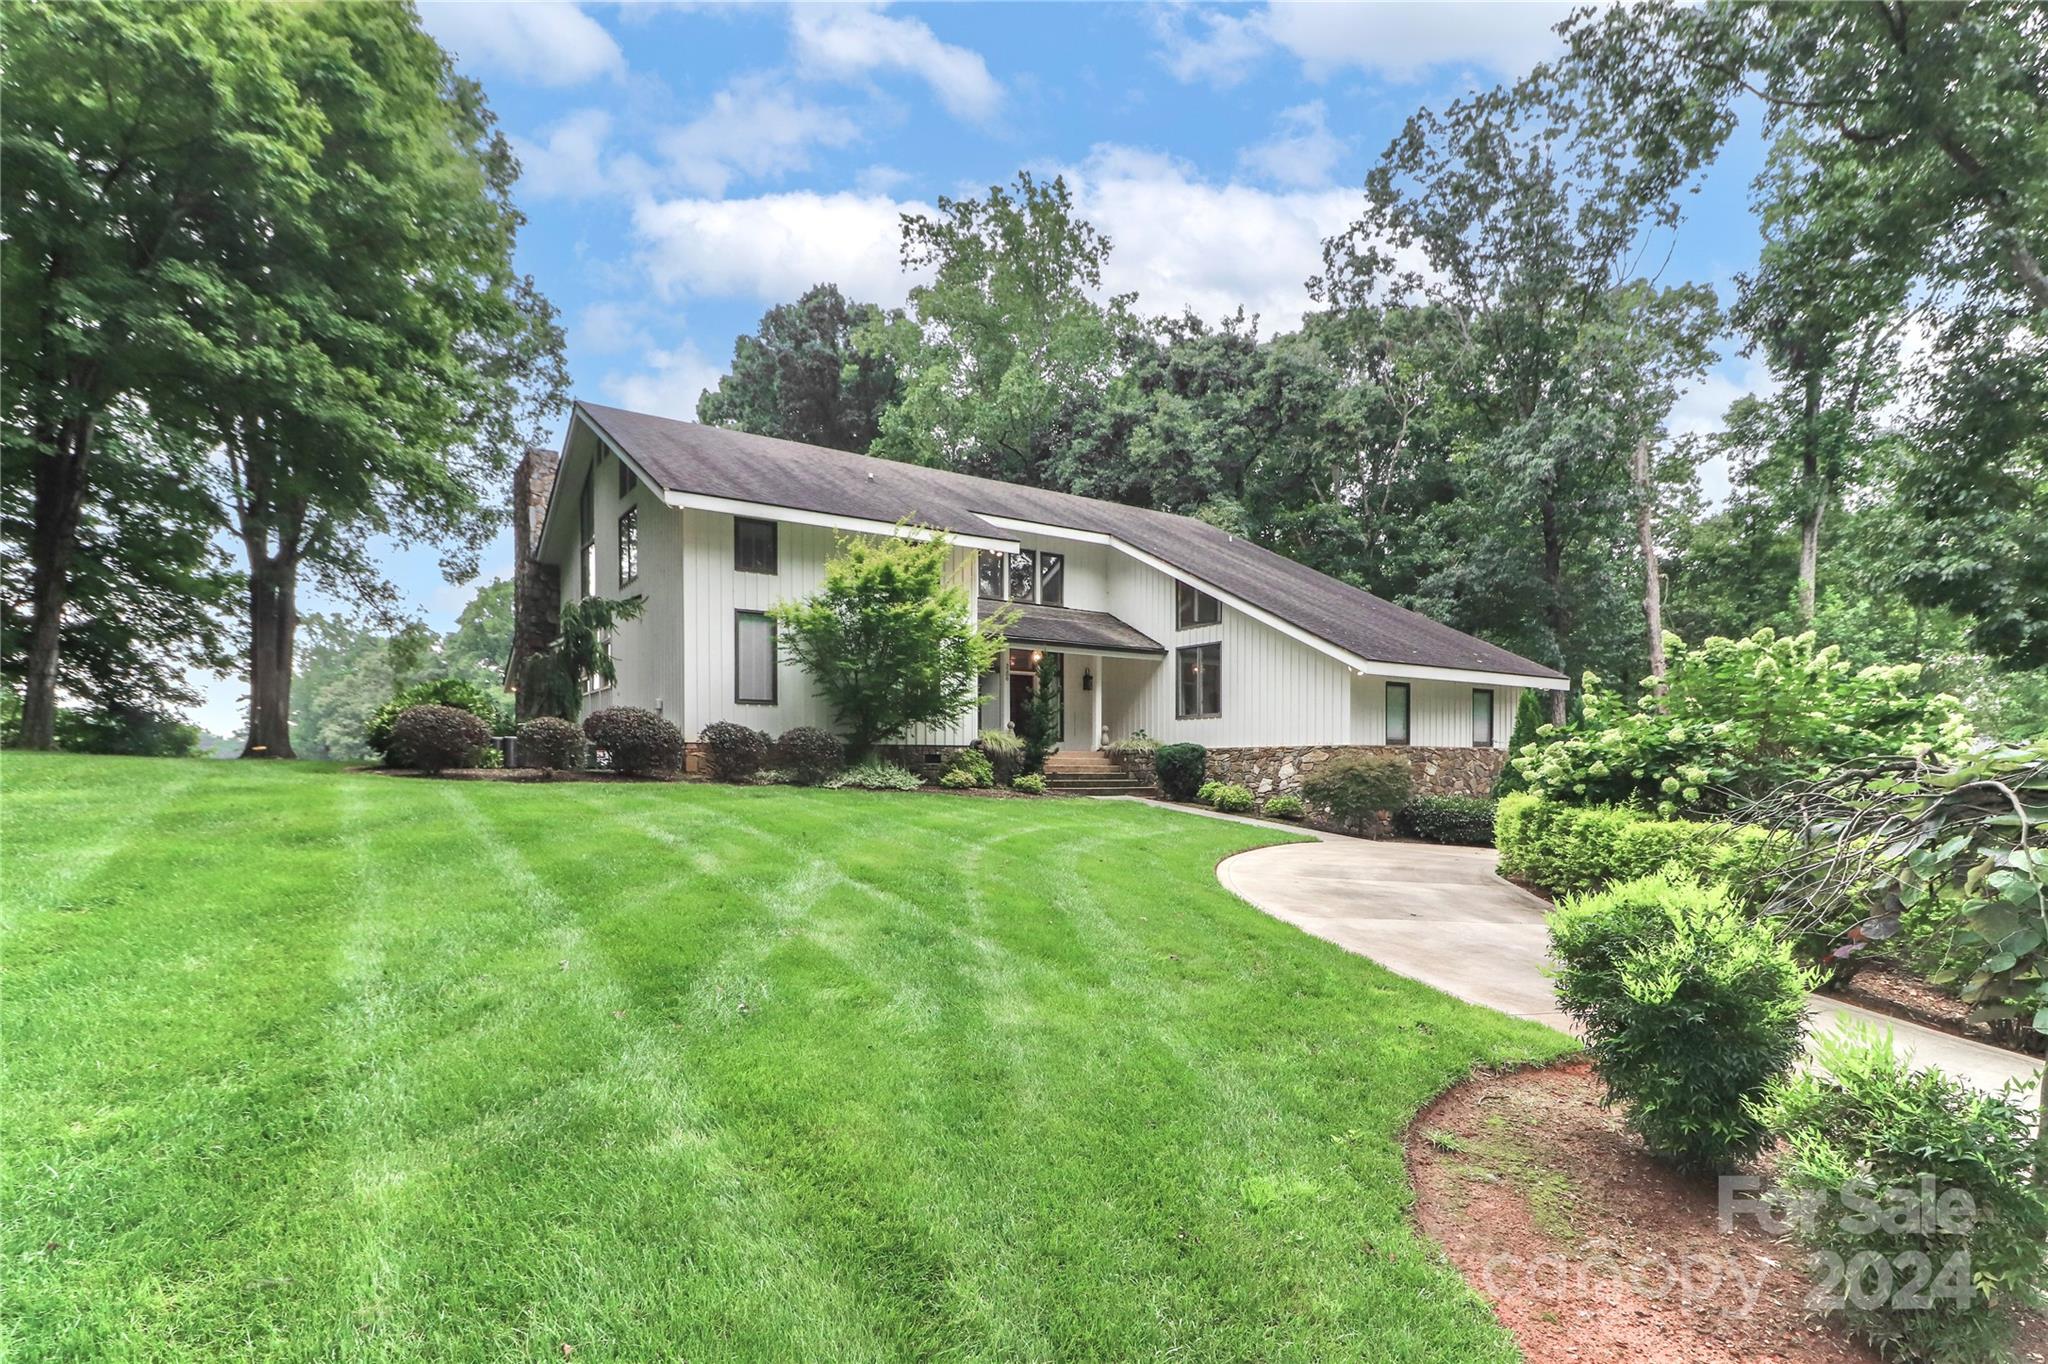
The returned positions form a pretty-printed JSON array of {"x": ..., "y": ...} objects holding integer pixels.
[{"x": 689, "y": 166}]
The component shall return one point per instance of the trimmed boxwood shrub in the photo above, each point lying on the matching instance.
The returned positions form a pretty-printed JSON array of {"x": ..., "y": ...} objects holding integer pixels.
[
  {"x": 435, "y": 738},
  {"x": 1181, "y": 768},
  {"x": 1005, "y": 754},
  {"x": 810, "y": 756},
  {"x": 548, "y": 741},
  {"x": 734, "y": 752},
  {"x": 1866, "y": 1124},
  {"x": 1284, "y": 807},
  {"x": 1565, "y": 848},
  {"x": 1354, "y": 787},
  {"x": 639, "y": 742},
  {"x": 1233, "y": 799},
  {"x": 455, "y": 692},
  {"x": 1466, "y": 820},
  {"x": 1690, "y": 1012}
]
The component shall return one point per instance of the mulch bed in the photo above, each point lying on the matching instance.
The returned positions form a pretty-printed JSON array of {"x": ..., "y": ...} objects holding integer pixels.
[
  {"x": 516, "y": 774},
  {"x": 1589, "y": 1250},
  {"x": 1891, "y": 989}
]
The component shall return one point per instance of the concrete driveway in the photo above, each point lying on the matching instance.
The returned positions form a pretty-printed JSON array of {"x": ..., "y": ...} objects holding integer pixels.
[{"x": 1441, "y": 916}]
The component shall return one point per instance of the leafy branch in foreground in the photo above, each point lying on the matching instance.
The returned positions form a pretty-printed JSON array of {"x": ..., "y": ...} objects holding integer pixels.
[{"x": 555, "y": 676}]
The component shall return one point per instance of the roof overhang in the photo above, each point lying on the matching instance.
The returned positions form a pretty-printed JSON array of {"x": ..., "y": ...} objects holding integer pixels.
[{"x": 1358, "y": 664}]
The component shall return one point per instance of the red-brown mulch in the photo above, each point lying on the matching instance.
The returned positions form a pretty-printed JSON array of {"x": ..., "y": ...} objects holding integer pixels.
[
  {"x": 1589, "y": 1250},
  {"x": 1891, "y": 989},
  {"x": 517, "y": 774}
]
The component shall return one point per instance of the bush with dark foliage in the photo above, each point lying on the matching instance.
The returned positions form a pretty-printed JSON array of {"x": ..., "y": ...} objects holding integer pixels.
[
  {"x": 734, "y": 752},
  {"x": 550, "y": 741},
  {"x": 810, "y": 756},
  {"x": 457, "y": 692},
  {"x": 435, "y": 738},
  {"x": 638, "y": 742},
  {"x": 1181, "y": 769},
  {"x": 1466, "y": 820},
  {"x": 1354, "y": 787}
]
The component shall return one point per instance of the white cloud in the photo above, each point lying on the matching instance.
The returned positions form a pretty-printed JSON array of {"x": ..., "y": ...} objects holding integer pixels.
[
  {"x": 543, "y": 44},
  {"x": 1302, "y": 154},
  {"x": 1398, "y": 41},
  {"x": 755, "y": 127},
  {"x": 774, "y": 246},
  {"x": 846, "y": 42},
  {"x": 613, "y": 328},
  {"x": 668, "y": 386},
  {"x": 568, "y": 162},
  {"x": 1181, "y": 242}
]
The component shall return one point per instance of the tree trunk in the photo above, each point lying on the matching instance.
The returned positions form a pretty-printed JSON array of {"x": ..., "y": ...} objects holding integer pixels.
[
  {"x": 1554, "y": 609},
  {"x": 1813, "y": 494},
  {"x": 1646, "y": 534},
  {"x": 53, "y": 540},
  {"x": 273, "y": 626}
]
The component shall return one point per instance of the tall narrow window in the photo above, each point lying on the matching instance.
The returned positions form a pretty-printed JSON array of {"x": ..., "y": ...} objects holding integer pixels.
[
  {"x": 1482, "y": 717},
  {"x": 1052, "y": 579},
  {"x": 1201, "y": 682},
  {"x": 993, "y": 568},
  {"x": 1024, "y": 575},
  {"x": 1397, "y": 712},
  {"x": 753, "y": 546},
  {"x": 1195, "y": 607},
  {"x": 626, "y": 480},
  {"x": 754, "y": 662},
  {"x": 586, "y": 524},
  {"x": 629, "y": 546}
]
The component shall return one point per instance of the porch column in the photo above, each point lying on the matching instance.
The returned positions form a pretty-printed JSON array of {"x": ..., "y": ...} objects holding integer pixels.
[{"x": 1095, "y": 706}]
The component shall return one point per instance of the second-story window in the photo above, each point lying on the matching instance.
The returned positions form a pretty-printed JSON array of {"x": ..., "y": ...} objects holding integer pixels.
[
  {"x": 991, "y": 571},
  {"x": 629, "y": 546},
  {"x": 1029, "y": 575},
  {"x": 753, "y": 546},
  {"x": 1193, "y": 607},
  {"x": 1052, "y": 579}
]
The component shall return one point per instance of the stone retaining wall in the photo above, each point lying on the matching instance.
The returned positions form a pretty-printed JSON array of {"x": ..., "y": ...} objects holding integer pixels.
[{"x": 1438, "y": 771}]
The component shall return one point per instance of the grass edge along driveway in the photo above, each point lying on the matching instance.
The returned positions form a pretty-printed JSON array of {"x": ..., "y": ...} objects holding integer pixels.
[{"x": 306, "y": 1064}]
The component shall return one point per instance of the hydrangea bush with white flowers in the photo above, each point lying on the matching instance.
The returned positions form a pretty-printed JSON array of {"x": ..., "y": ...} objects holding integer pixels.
[{"x": 1735, "y": 719}]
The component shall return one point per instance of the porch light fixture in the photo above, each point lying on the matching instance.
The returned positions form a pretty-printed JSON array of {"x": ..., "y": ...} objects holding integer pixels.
[
  {"x": 1038, "y": 655},
  {"x": 1087, "y": 680}
]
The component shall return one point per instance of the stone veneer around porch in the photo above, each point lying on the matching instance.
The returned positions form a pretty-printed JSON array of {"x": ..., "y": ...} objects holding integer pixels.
[{"x": 1438, "y": 771}]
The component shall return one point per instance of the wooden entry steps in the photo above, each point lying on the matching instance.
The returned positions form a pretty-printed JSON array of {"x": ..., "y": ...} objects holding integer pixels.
[{"x": 1091, "y": 774}]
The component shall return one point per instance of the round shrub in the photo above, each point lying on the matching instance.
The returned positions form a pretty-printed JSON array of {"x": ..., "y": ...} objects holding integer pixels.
[
  {"x": 1868, "y": 1125},
  {"x": 1690, "y": 1012},
  {"x": 1206, "y": 792},
  {"x": 455, "y": 692},
  {"x": 810, "y": 756},
  {"x": 638, "y": 742},
  {"x": 1181, "y": 768},
  {"x": 972, "y": 767},
  {"x": 1030, "y": 783},
  {"x": 550, "y": 742},
  {"x": 954, "y": 779},
  {"x": 435, "y": 738},
  {"x": 1464, "y": 820},
  {"x": 1233, "y": 799},
  {"x": 1005, "y": 754},
  {"x": 1284, "y": 807},
  {"x": 1356, "y": 787},
  {"x": 733, "y": 752}
]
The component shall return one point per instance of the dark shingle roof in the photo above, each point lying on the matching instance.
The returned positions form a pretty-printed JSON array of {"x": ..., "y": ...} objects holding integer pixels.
[
  {"x": 714, "y": 462},
  {"x": 1065, "y": 627}
]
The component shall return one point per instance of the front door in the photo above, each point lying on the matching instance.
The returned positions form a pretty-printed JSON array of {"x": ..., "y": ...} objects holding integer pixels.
[{"x": 1024, "y": 685}]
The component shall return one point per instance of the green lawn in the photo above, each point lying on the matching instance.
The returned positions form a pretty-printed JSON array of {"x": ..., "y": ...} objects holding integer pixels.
[{"x": 303, "y": 1064}]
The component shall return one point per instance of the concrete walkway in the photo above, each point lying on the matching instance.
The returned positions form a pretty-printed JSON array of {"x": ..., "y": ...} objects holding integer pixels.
[{"x": 1441, "y": 916}]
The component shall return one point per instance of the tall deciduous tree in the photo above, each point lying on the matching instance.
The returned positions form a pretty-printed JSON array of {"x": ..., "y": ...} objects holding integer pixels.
[
  {"x": 138, "y": 138},
  {"x": 1005, "y": 339},
  {"x": 387, "y": 364},
  {"x": 1908, "y": 144},
  {"x": 800, "y": 376}
]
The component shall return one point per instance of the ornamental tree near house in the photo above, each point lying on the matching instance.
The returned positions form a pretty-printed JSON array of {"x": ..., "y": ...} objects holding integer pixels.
[
  {"x": 888, "y": 641},
  {"x": 552, "y": 683}
]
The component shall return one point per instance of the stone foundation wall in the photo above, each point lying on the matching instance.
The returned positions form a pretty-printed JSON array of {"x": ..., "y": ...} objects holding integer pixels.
[
  {"x": 1438, "y": 771},
  {"x": 927, "y": 760}
]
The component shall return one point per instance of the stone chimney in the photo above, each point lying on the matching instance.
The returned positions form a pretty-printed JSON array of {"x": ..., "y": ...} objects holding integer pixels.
[{"x": 536, "y": 587}]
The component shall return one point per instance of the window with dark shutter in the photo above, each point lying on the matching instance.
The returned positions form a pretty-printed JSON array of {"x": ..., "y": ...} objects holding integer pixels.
[
  {"x": 753, "y": 546},
  {"x": 1200, "y": 693}
]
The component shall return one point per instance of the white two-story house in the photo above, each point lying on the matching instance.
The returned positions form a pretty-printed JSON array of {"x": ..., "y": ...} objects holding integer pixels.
[{"x": 1157, "y": 625}]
